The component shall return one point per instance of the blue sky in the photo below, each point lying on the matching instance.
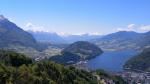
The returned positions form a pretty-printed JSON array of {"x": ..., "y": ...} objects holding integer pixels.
[{"x": 78, "y": 16}]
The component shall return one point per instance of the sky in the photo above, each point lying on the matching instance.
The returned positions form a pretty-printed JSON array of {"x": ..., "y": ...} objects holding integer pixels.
[{"x": 78, "y": 16}]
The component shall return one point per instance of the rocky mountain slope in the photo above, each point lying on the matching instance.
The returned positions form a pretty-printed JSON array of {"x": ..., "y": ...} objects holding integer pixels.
[{"x": 11, "y": 34}]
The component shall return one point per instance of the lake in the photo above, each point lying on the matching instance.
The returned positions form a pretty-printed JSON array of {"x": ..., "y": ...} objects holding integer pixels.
[{"x": 111, "y": 61}]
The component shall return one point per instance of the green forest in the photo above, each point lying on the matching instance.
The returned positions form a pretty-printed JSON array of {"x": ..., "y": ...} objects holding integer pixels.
[{"x": 16, "y": 68}]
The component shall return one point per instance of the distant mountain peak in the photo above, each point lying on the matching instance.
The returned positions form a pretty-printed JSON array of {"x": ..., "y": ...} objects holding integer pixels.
[
  {"x": 125, "y": 32},
  {"x": 2, "y": 17}
]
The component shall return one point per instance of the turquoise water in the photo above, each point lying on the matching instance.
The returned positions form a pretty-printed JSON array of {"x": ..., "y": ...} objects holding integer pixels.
[{"x": 111, "y": 61}]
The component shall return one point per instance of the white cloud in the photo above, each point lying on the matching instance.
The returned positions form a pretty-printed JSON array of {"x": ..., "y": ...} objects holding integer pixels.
[
  {"x": 63, "y": 34},
  {"x": 145, "y": 28},
  {"x": 68, "y": 34},
  {"x": 95, "y": 33},
  {"x": 121, "y": 29},
  {"x": 30, "y": 26},
  {"x": 131, "y": 26},
  {"x": 134, "y": 27}
]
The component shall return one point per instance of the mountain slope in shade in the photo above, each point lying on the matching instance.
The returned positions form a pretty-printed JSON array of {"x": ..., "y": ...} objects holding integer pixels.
[
  {"x": 47, "y": 37},
  {"x": 123, "y": 40},
  {"x": 144, "y": 40},
  {"x": 139, "y": 62},
  {"x": 11, "y": 34}
]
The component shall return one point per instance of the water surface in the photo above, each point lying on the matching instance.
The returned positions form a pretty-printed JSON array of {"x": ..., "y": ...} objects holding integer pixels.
[{"x": 111, "y": 61}]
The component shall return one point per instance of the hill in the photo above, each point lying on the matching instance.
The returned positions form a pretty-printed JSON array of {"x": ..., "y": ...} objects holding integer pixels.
[
  {"x": 83, "y": 49},
  {"x": 80, "y": 50},
  {"x": 139, "y": 62}
]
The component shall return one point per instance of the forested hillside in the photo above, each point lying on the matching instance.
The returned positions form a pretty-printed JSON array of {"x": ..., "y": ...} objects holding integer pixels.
[
  {"x": 140, "y": 62},
  {"x": 77, "y": 51},
  {"x": 15, "y": 68}
]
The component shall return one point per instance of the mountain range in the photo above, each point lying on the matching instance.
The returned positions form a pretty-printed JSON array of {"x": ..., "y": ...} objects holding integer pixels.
[
  {"x": 49, "y": 37},
  {"x": 11, "y": 34},
  {"x": 66, "y": 50},
  {"x": 123, "y": 40},
  {"x": 82, "y": 37},
  {"x": 86, "y": 47},
  {"x": 55, "y": 38}
]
